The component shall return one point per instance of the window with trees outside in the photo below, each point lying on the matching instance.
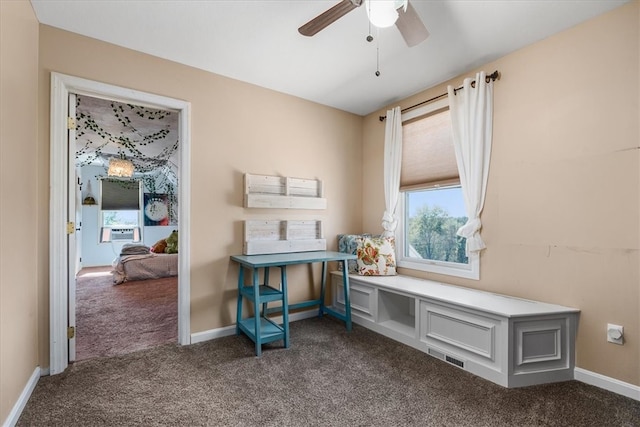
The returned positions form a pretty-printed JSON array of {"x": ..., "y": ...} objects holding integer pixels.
[
  {"x": 120, "y": 219},
  {"x": 431, "y": 207}
]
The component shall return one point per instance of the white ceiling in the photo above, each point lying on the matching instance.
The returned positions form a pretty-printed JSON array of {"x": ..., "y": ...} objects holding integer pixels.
[{"x": 257, "y": 41}]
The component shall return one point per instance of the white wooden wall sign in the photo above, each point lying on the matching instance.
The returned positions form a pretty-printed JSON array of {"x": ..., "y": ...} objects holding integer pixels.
[
  {"x": 282, "y": 236},
  {"x": 264, "y": 191}
]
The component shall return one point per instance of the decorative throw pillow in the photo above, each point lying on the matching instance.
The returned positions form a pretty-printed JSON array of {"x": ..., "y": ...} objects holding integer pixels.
[
  {"x": 159, "y": 246},
  {"x": 348, "y": 244},
  {"x": 376, "y": 256}
]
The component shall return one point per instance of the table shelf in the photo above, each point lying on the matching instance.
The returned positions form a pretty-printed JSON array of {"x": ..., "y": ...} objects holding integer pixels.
[
  {"x": 269, "y": 330},
  {"x": 266, "y": 293}
]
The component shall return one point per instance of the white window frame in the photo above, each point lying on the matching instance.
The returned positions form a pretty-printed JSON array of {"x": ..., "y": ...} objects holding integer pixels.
[{"x": 466, "y": 271}]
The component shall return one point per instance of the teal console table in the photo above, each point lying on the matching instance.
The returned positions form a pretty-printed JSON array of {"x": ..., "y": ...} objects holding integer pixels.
[{"x": 260, "y": 328}]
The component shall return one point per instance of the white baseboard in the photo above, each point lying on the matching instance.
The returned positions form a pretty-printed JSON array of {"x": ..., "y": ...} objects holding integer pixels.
[
  {"x": 16, "y": 411},
  {"x": 211, "y": 334},
  {"x": 607, "y": 383}
]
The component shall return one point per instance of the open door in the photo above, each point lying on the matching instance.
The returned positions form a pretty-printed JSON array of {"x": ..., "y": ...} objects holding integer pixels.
[
  {"x": 73, "y": 225},
  {"x": 78, "y": 233}
]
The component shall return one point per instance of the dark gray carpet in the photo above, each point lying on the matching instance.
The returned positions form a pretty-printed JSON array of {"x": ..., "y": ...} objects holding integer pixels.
[{"x": 328, "y": 377}]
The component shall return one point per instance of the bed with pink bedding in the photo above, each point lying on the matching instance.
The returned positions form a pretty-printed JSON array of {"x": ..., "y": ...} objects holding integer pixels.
[{"x": 144, "y": 266}]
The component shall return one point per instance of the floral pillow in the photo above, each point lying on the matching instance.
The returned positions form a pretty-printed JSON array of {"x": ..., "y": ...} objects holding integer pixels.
[
  {"x": 348, "y": 244},
  {"x": 376, "y": 256}
]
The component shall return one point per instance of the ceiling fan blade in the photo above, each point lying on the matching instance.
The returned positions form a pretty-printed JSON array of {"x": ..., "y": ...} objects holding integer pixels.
[
  {"x": 411, "y": 27},
  {"x": 328, "y": 17}
]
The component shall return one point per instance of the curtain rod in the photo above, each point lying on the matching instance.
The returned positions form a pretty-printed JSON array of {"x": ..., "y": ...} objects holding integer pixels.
[{"x": 491, "y": 77}]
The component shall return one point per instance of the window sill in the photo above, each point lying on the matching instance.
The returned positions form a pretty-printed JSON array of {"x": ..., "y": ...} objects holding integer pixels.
[{"x": 470, "y": 271}]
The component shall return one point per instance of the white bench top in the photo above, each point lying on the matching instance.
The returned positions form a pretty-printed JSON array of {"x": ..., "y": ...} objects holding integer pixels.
[{"x": 502, "y": 305}]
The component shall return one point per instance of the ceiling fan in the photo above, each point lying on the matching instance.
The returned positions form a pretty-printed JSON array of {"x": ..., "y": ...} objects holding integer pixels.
[{"x": 400, "y": 12}]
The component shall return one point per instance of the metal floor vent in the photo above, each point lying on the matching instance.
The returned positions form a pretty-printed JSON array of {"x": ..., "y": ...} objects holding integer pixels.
[
  {"x": 445, "y": 357},
  {"x": 453, "y": 361}
]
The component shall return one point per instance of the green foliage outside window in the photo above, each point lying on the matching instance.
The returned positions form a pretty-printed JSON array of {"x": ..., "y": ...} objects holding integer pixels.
[
  {"x": 432, "y": 234},
  {"x": 120, "y": 218}
]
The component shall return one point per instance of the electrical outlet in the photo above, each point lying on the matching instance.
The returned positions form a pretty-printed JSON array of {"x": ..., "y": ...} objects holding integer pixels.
[{"x": 615, "y": 334}]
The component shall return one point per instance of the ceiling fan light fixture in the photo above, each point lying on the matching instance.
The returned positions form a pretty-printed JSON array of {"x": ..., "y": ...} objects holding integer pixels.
[
  {"x": 382, "y": 13},
  {"x": 120, "y": 168}
]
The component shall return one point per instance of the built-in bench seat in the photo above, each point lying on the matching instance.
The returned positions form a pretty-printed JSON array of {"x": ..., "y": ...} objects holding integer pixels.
[{"x": 513, "y": 342}]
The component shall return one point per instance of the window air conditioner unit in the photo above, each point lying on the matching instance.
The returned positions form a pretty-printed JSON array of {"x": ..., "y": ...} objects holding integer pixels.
[{"x": 120, "y": 234}]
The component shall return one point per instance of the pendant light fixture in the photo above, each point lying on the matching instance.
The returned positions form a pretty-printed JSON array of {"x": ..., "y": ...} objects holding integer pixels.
[{"x": 120, "y": 168}]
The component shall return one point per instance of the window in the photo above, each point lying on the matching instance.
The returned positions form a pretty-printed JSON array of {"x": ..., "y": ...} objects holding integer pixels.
[
  {"x": 433, "y": 218},
  {"x": 120, "y": 209},
  {"x": 431, "y": 202},
  {"x": 120, "y": 219}
]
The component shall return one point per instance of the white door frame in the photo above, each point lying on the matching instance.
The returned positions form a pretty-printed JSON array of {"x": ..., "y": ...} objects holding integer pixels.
[{"x": 61, "y": 86}]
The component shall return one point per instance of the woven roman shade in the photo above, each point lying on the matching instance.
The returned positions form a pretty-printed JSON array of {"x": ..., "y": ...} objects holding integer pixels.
[
  {"x": 120, "y": 195},
  {"x": 428, "y": 156}
]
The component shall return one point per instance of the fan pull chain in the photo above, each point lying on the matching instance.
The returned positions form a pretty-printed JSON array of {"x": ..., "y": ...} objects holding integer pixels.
[
  {"x": 378, "y": 54},
  {"x": 377, "y": 62},
  {"x": 370, "y": 39}
]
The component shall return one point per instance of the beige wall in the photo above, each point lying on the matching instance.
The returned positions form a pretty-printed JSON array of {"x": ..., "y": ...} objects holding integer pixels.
[
  {"x": 561, "y": 218},
  {"x": 235, "y": 128},
  {"x": 18, "y": 200}
]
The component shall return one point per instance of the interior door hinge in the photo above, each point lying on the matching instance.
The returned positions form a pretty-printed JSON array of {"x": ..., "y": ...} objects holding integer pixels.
[
  {"x": 71, "y": 227},
  {"x": 71, "y": 123},
  {"x": 71, "y": 332}
]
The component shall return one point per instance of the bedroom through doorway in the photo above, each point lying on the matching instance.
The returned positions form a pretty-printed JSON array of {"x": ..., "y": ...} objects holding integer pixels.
[{"x": 126, "y": 160}]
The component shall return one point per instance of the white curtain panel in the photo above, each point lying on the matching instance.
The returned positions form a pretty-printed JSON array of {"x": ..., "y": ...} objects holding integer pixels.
[
  {"x": 392, "y": 164},
  {"x": 472, "y": 120}
]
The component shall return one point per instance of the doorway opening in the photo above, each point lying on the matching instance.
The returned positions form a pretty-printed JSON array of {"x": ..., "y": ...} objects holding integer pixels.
[
  {"x": 62, "y": 226},
  {"x": 126, "y": 174}
]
